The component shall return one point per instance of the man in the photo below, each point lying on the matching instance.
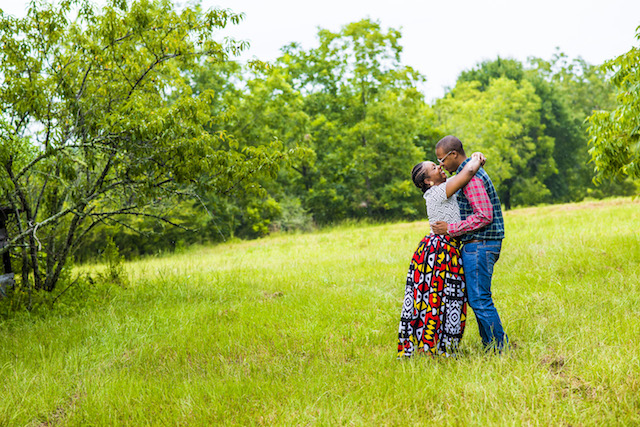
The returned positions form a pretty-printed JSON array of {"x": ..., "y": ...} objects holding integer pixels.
[{"x": 481, "y": 231}]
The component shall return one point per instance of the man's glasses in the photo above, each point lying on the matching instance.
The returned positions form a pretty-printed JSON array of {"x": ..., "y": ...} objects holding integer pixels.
[{"x": 445, "y": 156}]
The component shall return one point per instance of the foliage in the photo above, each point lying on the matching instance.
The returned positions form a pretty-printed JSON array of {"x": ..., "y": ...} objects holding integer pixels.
[
  {"x": 488, "y": 70},
  {"x": 259, "y": 105},
  {"x": 503, "y": 122},
  {"x": 366, "y": 117},
  {"x": 572, "y": 90},
  {"x": 569, "y": 90},
  {"x": 114, "y": 264},
  {"x": 352, "y": 110},
  {"x": 99, "y": 122},
  {"x": 615, "y": 134},
  {"x": 130, "y": 123},
  {"x": 293, "y": 217},
  {"x": 75, "y": 292}
]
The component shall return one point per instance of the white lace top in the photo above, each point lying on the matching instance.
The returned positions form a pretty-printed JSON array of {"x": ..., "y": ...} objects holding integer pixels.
[{"x": 439, "y": 208}]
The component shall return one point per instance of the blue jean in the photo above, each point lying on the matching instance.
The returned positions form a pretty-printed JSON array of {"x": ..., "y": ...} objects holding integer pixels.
[{"x": 478, "y": 260}]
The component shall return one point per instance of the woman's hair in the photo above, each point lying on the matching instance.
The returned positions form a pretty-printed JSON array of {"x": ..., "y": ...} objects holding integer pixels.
[{"x": 418, "y": 176}]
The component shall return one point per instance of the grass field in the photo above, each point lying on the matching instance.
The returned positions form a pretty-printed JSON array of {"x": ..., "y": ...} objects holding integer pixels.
[{"x": 302, "y": 330}]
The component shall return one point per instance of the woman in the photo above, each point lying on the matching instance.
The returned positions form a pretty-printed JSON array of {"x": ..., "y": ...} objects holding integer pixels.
[{"x": 435, "y": 301}]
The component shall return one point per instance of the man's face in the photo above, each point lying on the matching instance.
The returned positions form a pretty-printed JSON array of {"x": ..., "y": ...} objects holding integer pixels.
[{"x": 447, "y": 159}]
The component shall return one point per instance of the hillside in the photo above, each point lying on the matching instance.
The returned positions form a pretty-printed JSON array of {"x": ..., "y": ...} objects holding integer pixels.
[{"x": 302, "y": 329}]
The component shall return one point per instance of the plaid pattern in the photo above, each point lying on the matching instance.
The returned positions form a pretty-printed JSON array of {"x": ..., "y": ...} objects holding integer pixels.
[
  {"x": 492, "y": 231},
  {"x": 482, "y": 210}
]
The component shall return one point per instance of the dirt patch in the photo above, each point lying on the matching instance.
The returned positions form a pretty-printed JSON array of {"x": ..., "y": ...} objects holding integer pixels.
[
  {"x": 554, "y": 363},
  {"x": 567, "y": 384},
  {"x": 62, "y": 411},
  {"x": 274, "y": 295}
]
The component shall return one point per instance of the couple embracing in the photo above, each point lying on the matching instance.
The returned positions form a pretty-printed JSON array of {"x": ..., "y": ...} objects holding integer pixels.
[{"x": 453, "y": 265}]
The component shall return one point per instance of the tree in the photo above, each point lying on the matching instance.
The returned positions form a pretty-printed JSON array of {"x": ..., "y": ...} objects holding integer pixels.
[
  {"x": 99, "y": 122},
  {"x": 615, "y": 134},
  {"x": 504, "y": 122},
  {"x": 366, "y": 117},
  {"x": 571, "y": 90},
  {"x": 260, "y": 105},
  {"x": 486, "y": 71}
]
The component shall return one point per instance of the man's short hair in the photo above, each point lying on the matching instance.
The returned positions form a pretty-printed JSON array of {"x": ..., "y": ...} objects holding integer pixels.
[{"x": 450, "y": 143}]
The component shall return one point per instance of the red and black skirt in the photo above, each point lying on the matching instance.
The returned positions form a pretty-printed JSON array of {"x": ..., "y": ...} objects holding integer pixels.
[{"x": 435, "y": 301}]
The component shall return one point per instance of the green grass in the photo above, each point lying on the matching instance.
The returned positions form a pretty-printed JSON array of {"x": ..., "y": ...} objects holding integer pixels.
[{"x": 302, "y": 330}]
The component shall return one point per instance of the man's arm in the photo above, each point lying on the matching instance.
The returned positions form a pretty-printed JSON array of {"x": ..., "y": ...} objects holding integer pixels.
[{"x": 482, "y": 211}]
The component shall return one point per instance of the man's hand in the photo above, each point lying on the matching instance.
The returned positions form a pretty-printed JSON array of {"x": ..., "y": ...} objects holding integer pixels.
[{"x": 439, "y": 227}]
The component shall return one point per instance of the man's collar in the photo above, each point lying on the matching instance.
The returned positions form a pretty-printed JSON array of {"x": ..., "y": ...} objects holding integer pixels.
[{"x": 462, "y": 164}]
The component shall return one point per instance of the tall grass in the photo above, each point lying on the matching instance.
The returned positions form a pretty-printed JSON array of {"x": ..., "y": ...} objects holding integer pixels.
[{"x": 302, "y": 330}]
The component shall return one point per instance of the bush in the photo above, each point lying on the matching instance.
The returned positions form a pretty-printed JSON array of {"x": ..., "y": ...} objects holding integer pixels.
[
  {"x": 114, "y": 262},
  {"x": 293, "y": 217}
]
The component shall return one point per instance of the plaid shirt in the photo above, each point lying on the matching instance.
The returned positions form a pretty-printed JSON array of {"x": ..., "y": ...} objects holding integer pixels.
[{"x": 480, "y": 210}]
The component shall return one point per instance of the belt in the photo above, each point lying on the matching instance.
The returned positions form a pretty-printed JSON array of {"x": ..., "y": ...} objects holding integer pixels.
[{"x": 480, "y": 241}]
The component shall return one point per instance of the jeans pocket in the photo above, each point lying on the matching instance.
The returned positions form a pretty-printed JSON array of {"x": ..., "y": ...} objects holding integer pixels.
[{"x": 470, "y": 247}]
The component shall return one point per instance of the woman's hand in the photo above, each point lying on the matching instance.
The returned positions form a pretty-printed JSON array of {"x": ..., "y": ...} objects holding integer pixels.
[
  {"x": 480, "y": 157},
  {"x": 462, "y": 178}
]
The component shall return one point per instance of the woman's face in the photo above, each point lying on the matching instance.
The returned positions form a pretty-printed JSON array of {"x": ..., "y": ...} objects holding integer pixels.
[{"x": 433, "y": 173}]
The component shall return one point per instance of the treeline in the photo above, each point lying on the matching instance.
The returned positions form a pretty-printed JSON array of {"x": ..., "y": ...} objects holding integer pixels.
[
  {"x": 134, "y": 123},
  {"x": 355, "y": 114}
]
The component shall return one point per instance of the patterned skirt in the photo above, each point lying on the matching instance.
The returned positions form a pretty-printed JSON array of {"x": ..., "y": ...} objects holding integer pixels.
[{"x": 435, "y": 300}]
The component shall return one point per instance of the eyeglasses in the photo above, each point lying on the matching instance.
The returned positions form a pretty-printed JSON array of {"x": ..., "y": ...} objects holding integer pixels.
[{"x": 445, "y": 156}]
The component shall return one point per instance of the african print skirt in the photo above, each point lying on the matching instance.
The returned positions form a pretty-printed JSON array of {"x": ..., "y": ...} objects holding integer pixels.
[{"x": 435, "y": 301}]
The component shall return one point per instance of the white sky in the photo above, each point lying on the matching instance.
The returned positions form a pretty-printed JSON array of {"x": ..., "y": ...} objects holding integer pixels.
[{"x": 441, "y": 38}]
